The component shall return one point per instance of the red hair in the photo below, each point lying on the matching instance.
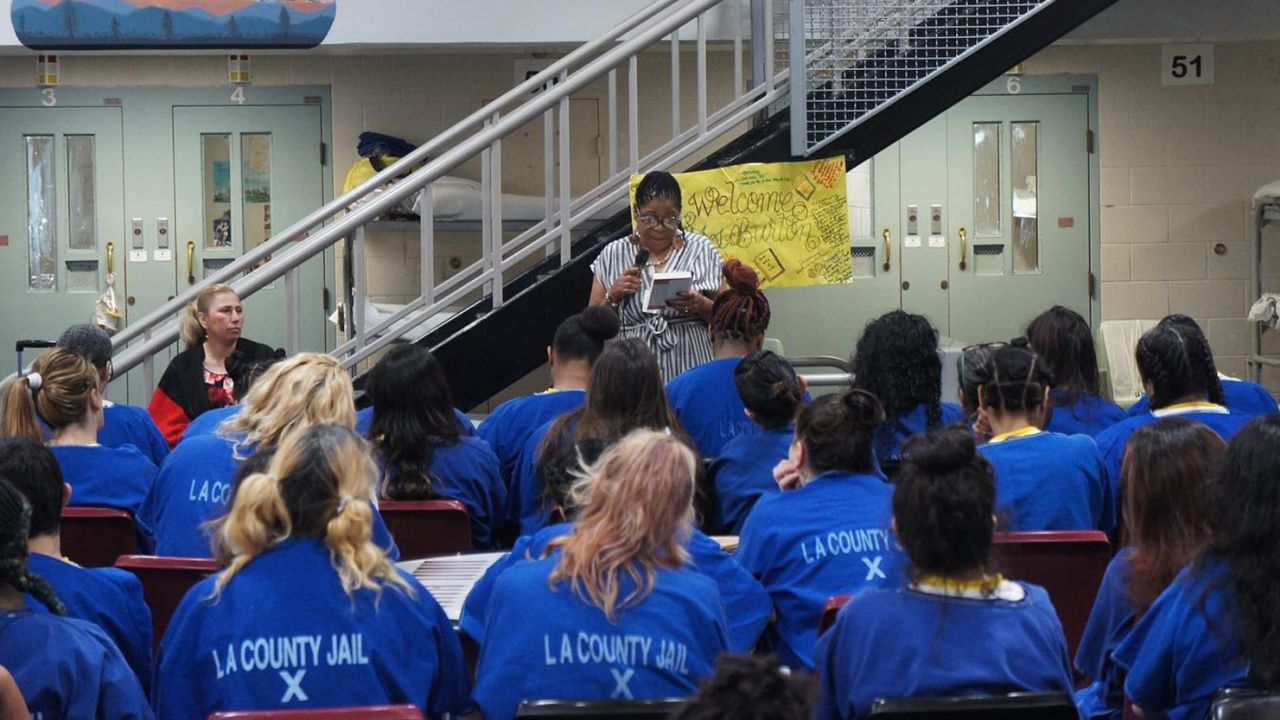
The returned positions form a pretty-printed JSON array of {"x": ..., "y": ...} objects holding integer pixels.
[{"x": 740, "y": 311}]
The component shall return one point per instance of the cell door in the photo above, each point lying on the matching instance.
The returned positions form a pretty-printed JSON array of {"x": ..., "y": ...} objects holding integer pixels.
[
  {"x": 1018, "y": 181},
  {"x": 62, "y": 228},
  {"x": 240, "y": 174}
]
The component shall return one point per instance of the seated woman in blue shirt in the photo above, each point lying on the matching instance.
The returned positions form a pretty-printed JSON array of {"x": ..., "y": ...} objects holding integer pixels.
[
  {"x": 416, "y": 440},
  {"x": 1062, "y": 337},
  {"x": 704, "y": 397},
  {"x": 973, "y": 368},
  {"x": 624, "y": 394},
  {"x": 309, "y": 612},
  {"x": 1044, "y": 480},
  {"x": 1178, "y": 372},
  {"x": 957, "y": 628},
  {"x": 1239, "y": 396},
  {"x": 65, "y": 668},
  {"x": 897, "y": 361},
  {"x": 612, "y": 609},
  {"x": 771, "y": 394},
  {"x": 1166, "y": 480},
  {"x": 827, "y": 533},
  {"x": 63, "y": 390},
  {"x": 578, "y": 341},
  {"x": 107, "y": 597},
  {"x": 195, "y": 484},
  {"x": 1216, "y": 626}
]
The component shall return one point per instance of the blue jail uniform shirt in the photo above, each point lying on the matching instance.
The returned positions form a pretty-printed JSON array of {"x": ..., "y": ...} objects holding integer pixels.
[
  {"x": 742, "y": 475},
  {"x": 706, "y": 402},
  {"x": 285, "y": 635},
  {"x": 1047, "y": 481},
  {"x": 830, "y": 537},
  {"x": 1112, "y": 441},
  {"x": 103, "y": 476},
  {"x": 1109, "y": 623},
  {"x": 68, "y": 668},
  {"x": 195, "y": 486},
  {"x": 746, "y": 603},
  {"x": 131, "y": 425},
  {"x": 1241, "y": 396},
  {"x": 549, "y": 642},
  {"x": 890, "y": 437},
  {"x": 107, "y": 597},
  {"x": 467, "y": 471},
  {"x": 206, "y": 423},
  {"x": 1183, "y": 649},
  {"x": 526, "y": 511},
  {"x": 1088, "y": 415},
  {"x": 908, "y": 643},
  {"x": 508, "y": 427},
  {"x": 364, "y": 421}
]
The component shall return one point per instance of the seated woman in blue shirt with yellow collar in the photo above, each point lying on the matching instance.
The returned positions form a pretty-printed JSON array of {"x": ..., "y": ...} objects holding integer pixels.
[
  {"x": 771, "y": 394},
  {"x": 1216, "y": 626},
  {"x": 828, "y": 532},
  {"x": 897, "y": 361},
  {"x": 957, "y": 628},
  {"x": 415, "y": 438},
  {"x": 1062, "y": 337},
  {"x": 612, "y": 609},
  {"x": 1167, "y": 482},
  {"x": 309, "y": 612},
  {"x": 1044, "y": 480}
]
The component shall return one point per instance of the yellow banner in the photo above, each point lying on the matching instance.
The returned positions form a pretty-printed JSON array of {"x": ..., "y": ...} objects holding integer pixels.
[{"x": 789, "y": 221}]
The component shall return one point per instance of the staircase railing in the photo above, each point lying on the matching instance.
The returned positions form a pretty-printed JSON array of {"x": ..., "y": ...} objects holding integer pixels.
[{"x": 678, "y": 23}]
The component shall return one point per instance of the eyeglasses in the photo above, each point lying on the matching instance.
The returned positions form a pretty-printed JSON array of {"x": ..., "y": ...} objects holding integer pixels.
[{"x": 671, "y": 222}]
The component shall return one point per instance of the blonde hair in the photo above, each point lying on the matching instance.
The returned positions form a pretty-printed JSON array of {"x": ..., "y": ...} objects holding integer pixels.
[
  {"x": 318, "y": 484},
  {"x": 189, "y": 327},
  {"x": 59, "y": 396},
  {"x": 636, "y": 518},
  {"x": 306, "y": 389}
]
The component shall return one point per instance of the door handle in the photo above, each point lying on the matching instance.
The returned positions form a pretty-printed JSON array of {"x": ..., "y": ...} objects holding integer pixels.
[
  {"x": 964, "y": 249},
  {"x": 888, "y": 249},
  {"x": 111, "y": 258},
  {"x": 191, "y": 262}
]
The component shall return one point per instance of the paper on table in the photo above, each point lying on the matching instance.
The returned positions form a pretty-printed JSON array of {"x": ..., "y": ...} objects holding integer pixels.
[
  {"x": 450, "y": 578},
  {"x": 666, "y": 286}
]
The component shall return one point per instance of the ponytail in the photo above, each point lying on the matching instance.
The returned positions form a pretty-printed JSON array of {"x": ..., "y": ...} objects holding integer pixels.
[
  {"x": 56, "y": 391},
  {"x": 836, "y": 431},
  {"x": 20, "y": 409},
  {"x": 15, "y": 526}
]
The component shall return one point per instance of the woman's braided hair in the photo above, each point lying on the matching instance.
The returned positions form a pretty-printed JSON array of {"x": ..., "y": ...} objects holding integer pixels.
[{"x": 15, "y": 524}]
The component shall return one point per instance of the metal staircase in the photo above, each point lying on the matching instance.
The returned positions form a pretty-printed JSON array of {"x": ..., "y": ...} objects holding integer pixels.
[{"x": 857, "y": 82}]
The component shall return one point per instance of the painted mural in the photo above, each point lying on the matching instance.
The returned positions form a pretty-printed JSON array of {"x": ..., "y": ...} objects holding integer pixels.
[{"x": 176, "y": 24}]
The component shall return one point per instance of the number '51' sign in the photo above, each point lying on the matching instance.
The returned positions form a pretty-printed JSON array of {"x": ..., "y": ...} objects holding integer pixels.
[{"x": 1187, "y": 65}]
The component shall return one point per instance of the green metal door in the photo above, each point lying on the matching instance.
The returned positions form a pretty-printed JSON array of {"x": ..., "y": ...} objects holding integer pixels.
[
  {"x": 922, "y": 208},
  {"x": 1018, "y": 181},
  {"x": 241, "y": 173},
  {"x": 62, "y": 227}
]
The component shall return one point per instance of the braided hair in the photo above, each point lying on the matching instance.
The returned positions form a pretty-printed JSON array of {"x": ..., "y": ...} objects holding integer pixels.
[
  {"x": 657, "y": 184},
  {"x": 1175, "y": 357},
  {"x": 1016, "y": 380},
  {"x": 740, "y": 312},
  {"x": 15, "y": 525}
]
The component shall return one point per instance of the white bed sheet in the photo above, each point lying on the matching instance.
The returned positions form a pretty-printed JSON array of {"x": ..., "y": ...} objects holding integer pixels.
[{"x": 455, "y": 198}]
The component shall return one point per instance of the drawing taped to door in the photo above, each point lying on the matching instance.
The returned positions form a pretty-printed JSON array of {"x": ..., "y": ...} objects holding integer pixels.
[{"x": 178, "y": 24}]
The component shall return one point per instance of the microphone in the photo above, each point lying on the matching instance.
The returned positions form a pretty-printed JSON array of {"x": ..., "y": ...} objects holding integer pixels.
[{"x": 642, "y": 257}]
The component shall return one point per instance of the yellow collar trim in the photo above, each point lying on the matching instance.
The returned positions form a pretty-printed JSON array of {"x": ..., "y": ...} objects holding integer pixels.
[
  {"x": 1027, "y": 431},
  {"x": 987, "y": 582},
  {"x": 1187, "y": 407}
]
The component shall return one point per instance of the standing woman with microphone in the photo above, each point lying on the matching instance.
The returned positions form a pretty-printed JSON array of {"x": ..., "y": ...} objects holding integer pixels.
[{"x": 625, "y": 269}]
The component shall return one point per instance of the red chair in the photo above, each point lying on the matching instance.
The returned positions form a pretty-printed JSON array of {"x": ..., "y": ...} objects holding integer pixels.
[
  {"x": 379, "y": 712},
  {"x": 1069, "y": 565},
  {"x": 428, "y": 527},
  {"x": 165, "y": 580},
  {"x": 830, "y": 611},
  {"x": 96, "y": 536}
]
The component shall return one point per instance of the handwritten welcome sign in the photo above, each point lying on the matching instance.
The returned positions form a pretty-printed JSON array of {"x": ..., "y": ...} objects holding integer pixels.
[{"x": 789, "y": 221}]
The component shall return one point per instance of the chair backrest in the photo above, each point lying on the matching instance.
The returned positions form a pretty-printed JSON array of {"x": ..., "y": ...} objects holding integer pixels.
[
  {"x": 165, "y": 580},
  {"x": 379, "y": 712},
  {"x": 96, "y": 536},
  {"x": 1244, "y": 704},
  {"x": 1014, "y": 706},
  {"x": 830, "y": 611},
  {"x": 1069, "y": 565},
  {"x": 428, "y": 527},
  {"x": 587, "y": 709}
]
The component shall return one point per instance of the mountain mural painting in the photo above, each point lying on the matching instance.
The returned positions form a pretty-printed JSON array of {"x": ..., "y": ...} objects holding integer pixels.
[{"x": 176, "y": 24}]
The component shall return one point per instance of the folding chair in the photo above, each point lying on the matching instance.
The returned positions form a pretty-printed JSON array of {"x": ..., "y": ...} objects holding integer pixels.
[
  {"x": 428, "y": 527},
  {"x": 604, "y": 709},
  {"x": 1244, "y": 704},
  {"x": 372, "y": 712},
  {"x": 165, "y": 580},
  {"x": 830, "y": 611},
  {"x": 1014, "y": 706},
  {"x": 96, "y": 536}
]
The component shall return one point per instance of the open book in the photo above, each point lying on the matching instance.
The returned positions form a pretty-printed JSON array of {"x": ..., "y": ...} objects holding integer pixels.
[{"x": 666, "y": 286}]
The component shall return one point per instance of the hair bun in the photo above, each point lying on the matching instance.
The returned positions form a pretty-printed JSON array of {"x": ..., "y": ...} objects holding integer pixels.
[
  {"x": 599, "y": 322},
  {"x": 865, "y": 411},
  {"x": 944, "y": 451},
  {"x": 741, "y": 277}
]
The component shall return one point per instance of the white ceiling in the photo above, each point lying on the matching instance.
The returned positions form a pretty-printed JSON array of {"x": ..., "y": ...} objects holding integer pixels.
[{"x": 1209, "y": 20}]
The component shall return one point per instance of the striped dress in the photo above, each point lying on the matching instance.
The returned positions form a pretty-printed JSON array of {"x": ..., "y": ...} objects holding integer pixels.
[{"x": 680, "y": 341}]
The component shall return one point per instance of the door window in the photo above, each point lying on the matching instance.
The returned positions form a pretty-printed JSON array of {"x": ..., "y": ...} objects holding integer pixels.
[
  {"x": 1026, "y": 219},
  {"x": 986, "y": 179},
  {"x": 255, "y": 176},
  {"x": 215, "y": 159},
  {"x": 42, "y": 218}
]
